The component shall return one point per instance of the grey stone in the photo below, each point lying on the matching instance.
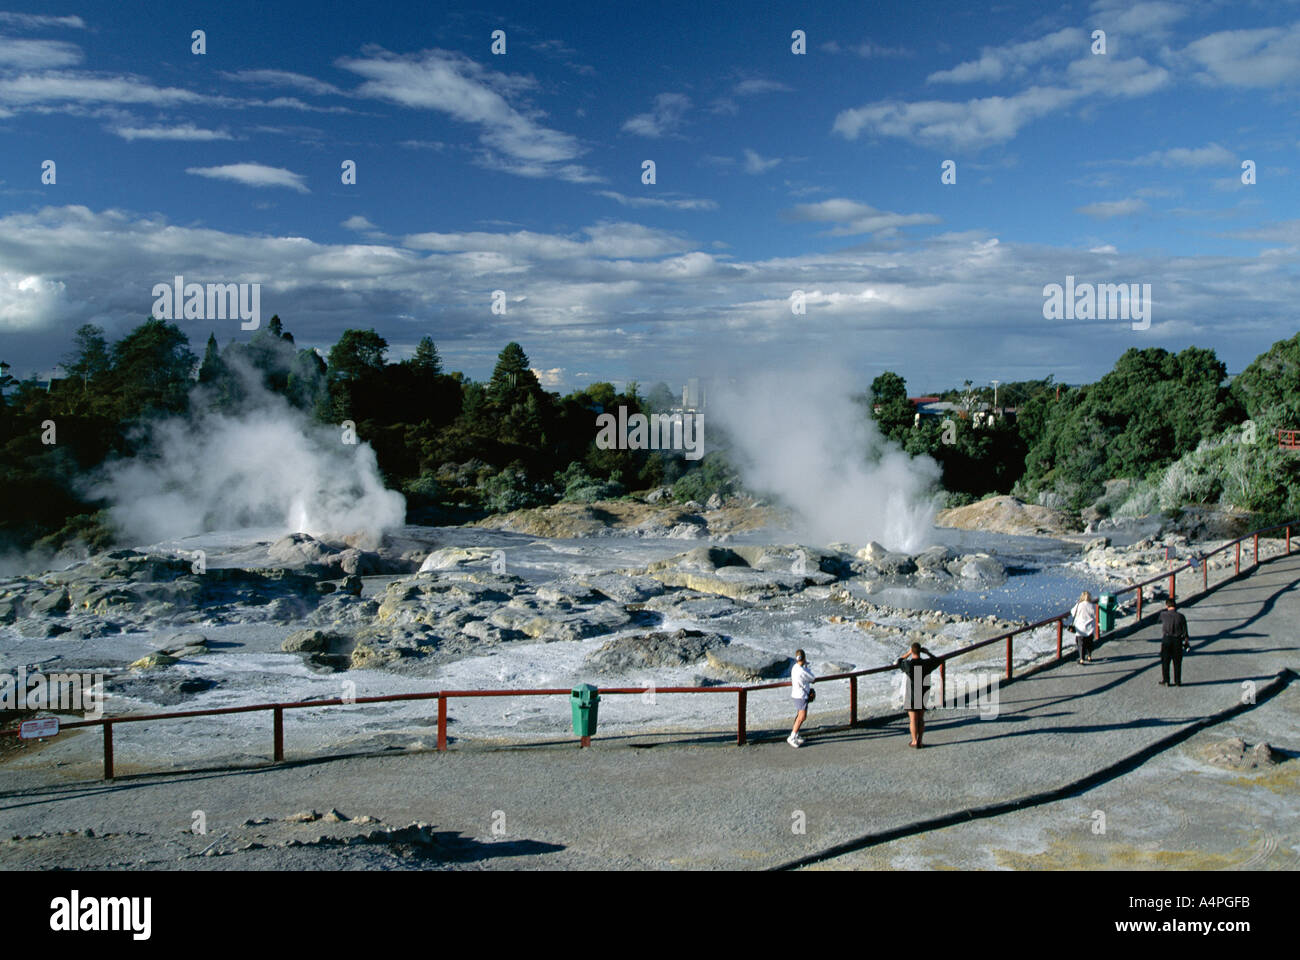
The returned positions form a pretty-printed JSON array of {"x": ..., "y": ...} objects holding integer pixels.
[{"x": 740, "y": 662}]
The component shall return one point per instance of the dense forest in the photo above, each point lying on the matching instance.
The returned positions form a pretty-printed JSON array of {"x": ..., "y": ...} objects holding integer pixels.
[{"x": 458, "y": 448}]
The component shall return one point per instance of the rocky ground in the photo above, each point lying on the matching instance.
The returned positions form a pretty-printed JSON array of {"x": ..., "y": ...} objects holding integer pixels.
[{"x": 169, "y": 629}]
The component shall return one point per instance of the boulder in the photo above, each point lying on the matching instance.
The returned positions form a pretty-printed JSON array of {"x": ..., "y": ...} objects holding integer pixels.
[
  {"x": 53, "y": 603},
  {"x": 153, "y": 661},
  {"x": 979, "y": 568},
  {"x": 309, "y": 641},
  {"x": 737, "y": 661},
  {"x": 1235, "y": 754},
  {"x": 648, "y": 651},
  {"x": 298, "y": 549}
]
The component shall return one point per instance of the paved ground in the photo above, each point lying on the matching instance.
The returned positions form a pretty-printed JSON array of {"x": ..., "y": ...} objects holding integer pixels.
[{"x": 707, "y": 804}]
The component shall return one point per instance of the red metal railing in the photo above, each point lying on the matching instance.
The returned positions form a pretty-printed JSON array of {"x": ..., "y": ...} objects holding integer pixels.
[
  {"x": 1288, "y": 439},
  {"x": 741, "y": 691}
]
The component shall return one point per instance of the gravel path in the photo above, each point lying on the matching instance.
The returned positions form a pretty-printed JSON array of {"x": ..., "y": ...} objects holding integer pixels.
[{"x": 647, "y": 803}]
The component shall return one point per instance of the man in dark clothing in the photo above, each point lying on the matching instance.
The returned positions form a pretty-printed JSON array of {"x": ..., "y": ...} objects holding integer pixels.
[
  {"x": 1173, "y": 641},
  {"x": 917, "y": 669}
]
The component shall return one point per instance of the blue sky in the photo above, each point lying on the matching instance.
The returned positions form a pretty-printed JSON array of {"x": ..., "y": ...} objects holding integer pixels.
[{"x": 775, "y": 172}]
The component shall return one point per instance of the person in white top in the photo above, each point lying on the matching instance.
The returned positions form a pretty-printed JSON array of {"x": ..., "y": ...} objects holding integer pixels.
[
  {"x": 801, "y": 683},
  {"x": 1083, "y": 621}
]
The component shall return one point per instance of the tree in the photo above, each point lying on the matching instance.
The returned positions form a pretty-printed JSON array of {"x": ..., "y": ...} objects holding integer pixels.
[
  {"x": 211, "y": 368},
  {"x": 512, "y": 377},
  {"x": 357, "y": 354},
  {"x": 426, "y": 359},
  {"x": 151, "y": 370},
  {"x": 890, "y": 406},
  {"x": 90, "y": 359}
]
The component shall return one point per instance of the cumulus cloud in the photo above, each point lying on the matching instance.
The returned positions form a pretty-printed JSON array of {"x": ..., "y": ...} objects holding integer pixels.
[
  {"x": 253, "y": 175},
  {"x": 627, "y": 297},
  {"x": 1264, "y": 57}
]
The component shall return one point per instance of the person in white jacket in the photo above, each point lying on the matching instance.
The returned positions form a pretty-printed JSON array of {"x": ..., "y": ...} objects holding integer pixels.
[
  {"x": 801, "y": 683},
  {"x": 1083, "y": 621}
]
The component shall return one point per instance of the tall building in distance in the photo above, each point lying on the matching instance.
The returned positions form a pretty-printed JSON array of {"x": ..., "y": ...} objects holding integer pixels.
[{"x": 693, "y": 396}]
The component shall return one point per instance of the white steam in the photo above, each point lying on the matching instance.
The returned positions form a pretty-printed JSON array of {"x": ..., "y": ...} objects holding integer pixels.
[
  {"x": 266, "y": 467},
  {"x": 800, "y": 437}
]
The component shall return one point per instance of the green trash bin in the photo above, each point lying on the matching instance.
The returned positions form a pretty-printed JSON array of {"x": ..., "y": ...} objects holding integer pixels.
[
  {"x": 1107, "y": 607},
  {"x": 584, "y": 700}
]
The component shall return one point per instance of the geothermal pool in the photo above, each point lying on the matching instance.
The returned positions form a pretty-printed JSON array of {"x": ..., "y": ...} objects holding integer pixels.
[{"x": 245, "y": 663}]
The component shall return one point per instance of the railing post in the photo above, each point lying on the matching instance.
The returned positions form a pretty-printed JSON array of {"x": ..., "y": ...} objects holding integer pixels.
[
  {"x": 943, "y": 683},
  {"x": 853, "y": 700},
  {"x": 1139, "y": 613},
  {"x": 278, "y": 727},
  {"x": 1171, "y": 586},
  {"x": 108, "y": 750},
  {"x": 442, "y": 724},
  {"x": 740, "y": 717},
  {"x": 1008, "y": 658},
  {"x": 1257, "y": 549},
  {"x": 1058, "y": 639},
  {"x": 1238, "y": 560},
  {"x": 1288, "y": 541},
  {"x": 1096, "y": 621},
  {"x": 1205, "y": 574}
]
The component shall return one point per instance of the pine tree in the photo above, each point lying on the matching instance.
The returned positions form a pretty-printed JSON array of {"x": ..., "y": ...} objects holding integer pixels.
[
  {"x": 211, "y": 368},
  {"x": 426, "y": 359}
]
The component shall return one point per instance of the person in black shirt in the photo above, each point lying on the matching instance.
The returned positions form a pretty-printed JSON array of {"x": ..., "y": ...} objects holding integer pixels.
[
  {"x": 917, "y": 669},
  {"x": 1173, "y": 642}
]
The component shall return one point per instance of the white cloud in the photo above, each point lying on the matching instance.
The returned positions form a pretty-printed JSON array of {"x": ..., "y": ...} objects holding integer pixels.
[
  {"x": 667, "y": 202},
  {"x": 31, "y": 89},
  {"x": 1210, "y": 155},
  {"x": 183, "y": 131},
  {"x": 38, "y": 54},
  {"x": 1265, "y": 57},
  {"x": 550, "y": 379},
  {"x": 1126, "y": 17},
  {"x": 664, "y": 119},
  {"x": 756, "y": 164},
  {"x": 514, "y": 141},
  {"x": 995, "y": 63},
  {"x": 358, "y": 223},
  {"x": 1109, "y": 209},
  {"x": 637, "y": 303},
  {"x": 285, "y": 78},
  {"x": 855, "y": 218},
  {"x": 36, "y": 21},
  {"x": 975, "y": 123},
  {"x": 253, "y": 175}
]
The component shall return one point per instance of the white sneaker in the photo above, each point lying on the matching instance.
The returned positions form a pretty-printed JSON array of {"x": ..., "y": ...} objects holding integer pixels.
[{"x": 794, "y": 741}]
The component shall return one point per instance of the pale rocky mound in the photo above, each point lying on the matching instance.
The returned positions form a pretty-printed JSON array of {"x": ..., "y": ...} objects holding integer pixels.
[
  {"x": 634, "y": 517},
  {"x": 1010, "y": 516},
  {"x": 1235, "y": 754}
]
